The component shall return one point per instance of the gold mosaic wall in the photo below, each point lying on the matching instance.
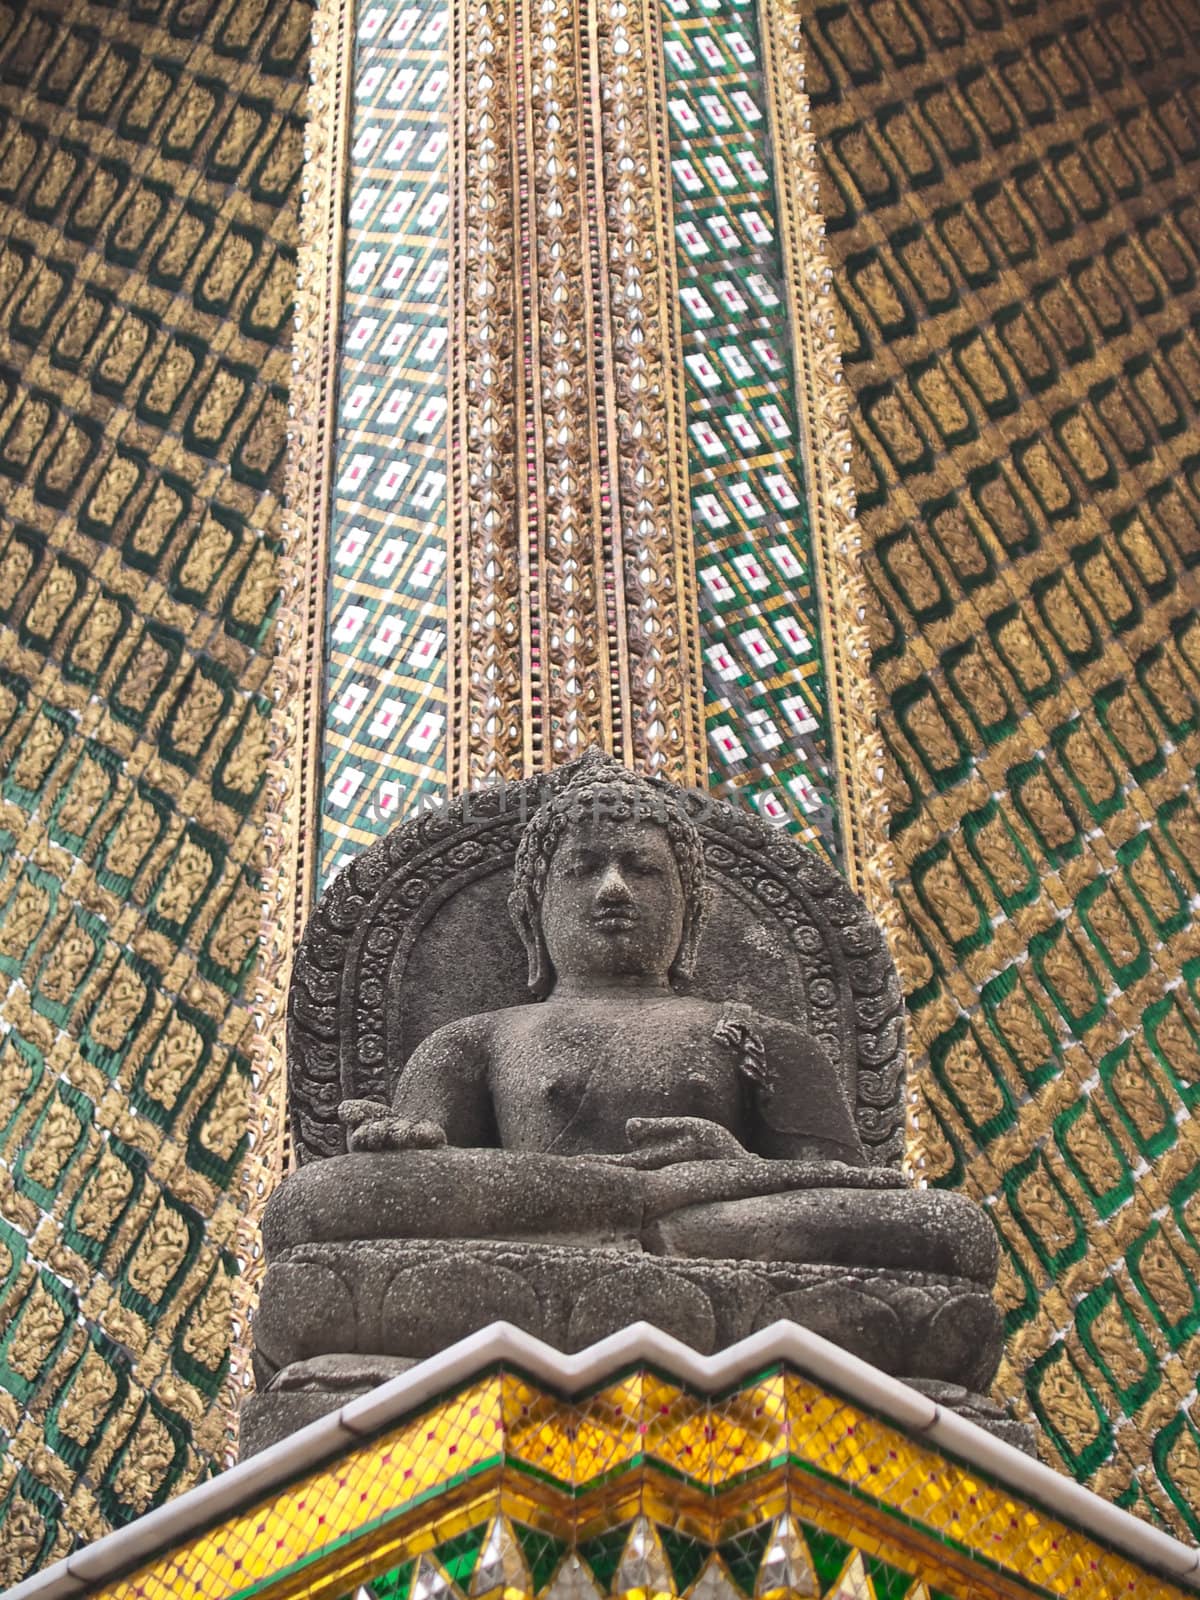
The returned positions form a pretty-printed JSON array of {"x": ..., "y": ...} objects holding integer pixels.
[
  {"x": 1010, "y": 194},
  {"x": 1010, "y": 191},
  {"x": 149, "y": 157}
]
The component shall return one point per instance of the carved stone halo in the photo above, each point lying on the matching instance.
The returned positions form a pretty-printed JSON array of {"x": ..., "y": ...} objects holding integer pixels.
[{"x": 415, "y": 933}]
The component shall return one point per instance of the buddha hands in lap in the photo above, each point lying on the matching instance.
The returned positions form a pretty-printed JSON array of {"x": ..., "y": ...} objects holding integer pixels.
[{"x": 612, "y": 1062}]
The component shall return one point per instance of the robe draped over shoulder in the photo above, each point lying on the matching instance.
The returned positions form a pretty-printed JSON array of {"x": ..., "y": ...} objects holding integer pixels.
[{"x": 800, "y": 1108}]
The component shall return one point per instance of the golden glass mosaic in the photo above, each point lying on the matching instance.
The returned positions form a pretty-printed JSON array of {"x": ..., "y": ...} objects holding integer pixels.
[
  {"x": 641, "y": 1487},
  {"x": 1010, "y": 197},
  {"x": 149, "y": 155}
]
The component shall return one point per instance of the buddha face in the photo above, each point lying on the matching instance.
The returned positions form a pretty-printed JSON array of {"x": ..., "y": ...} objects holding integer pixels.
[{"x": 613, "y": 905}]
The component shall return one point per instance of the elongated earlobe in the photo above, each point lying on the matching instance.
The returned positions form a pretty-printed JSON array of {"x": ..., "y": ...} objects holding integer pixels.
[
  {"x": 541, "y": 970},
  {"x": 683, "y": 968}
]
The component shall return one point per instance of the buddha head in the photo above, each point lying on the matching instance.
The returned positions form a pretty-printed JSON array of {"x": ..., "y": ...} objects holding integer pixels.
[{"x": 608, "y": 886}]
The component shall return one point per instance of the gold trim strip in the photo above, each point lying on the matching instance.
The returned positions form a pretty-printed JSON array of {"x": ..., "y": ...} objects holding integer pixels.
[
  {"x": 548, "y": 356},
  {"x": 823, "y": 400},
  {"x": 291, "y": 802},
  {"x": 664, "y": 687},
  {"x": 607, "y": 437},
  {"x": 491, "y": 714},
  {"x": 576, "y": 707},
  {"x": 695, "y": 737}
]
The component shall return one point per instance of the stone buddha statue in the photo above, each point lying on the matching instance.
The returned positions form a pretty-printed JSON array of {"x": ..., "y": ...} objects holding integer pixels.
[{"x": 691, "y": 1116}]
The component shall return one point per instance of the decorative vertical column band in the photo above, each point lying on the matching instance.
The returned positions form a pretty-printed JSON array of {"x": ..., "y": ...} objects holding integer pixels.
[
  {"x": 662, "y": 661},
  {"x": 568, "y": 477},
  {"x": 527, "y": 225},
  {"x": 489, "y": 651},
  {"x": 572, "y": 596}
]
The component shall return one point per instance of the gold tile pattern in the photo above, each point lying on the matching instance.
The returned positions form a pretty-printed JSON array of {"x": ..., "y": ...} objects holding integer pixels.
[
  {"x": 640, "y": 1488},
  {"x": 1010, "y": 197},
  {"x": 149, "y": 156}
]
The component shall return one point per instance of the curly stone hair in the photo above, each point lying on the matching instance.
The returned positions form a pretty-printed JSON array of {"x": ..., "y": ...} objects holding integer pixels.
[{"x": 598, "y": 786}]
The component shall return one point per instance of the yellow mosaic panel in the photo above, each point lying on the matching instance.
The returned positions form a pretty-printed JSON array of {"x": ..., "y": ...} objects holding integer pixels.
[
  {"x": 642, "y": 1487},
  {"x": 1010, "y": 191},
  {"x": 149, "y": 157}
]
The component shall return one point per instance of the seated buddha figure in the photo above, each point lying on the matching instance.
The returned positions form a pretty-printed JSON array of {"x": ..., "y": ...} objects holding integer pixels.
[
  {"x": 726, "y": 1132},
  {"x": 625, "y": 1145}
]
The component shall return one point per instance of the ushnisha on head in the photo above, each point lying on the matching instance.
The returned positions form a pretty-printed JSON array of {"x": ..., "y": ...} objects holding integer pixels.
[{"x": 609, "y": 882}]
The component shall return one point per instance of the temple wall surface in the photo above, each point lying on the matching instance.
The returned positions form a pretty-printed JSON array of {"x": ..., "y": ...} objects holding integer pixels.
[
  {"x": 1010, "y": 213},
  {"x": 1010, "y": 196},
  {"x": 149, "y": 160}
]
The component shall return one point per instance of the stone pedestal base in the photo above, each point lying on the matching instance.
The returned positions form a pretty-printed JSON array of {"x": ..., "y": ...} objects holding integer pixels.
[
  {"x": 336, "y": 1319},
  {"x": 412, "y": 1299},
  {"x": 265, "y": 1419}
]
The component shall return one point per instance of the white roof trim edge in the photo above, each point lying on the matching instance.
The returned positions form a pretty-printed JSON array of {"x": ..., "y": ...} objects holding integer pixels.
[{"x": 808, "y": 1353}]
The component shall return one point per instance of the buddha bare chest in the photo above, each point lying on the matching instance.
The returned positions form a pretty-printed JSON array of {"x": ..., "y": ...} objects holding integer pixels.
[{"x": 569, "y": 1078}]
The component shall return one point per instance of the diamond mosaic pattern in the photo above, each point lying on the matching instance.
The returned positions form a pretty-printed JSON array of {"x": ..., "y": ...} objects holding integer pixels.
[
  {"x": 760, "y": 634},
  {"x": 642, "y": 1488},
  {"x": 385, "y": 678},
  {"x": 780, "y": 1557}
]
